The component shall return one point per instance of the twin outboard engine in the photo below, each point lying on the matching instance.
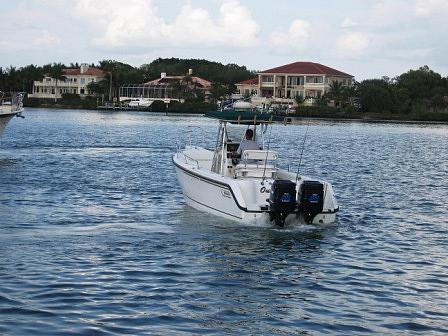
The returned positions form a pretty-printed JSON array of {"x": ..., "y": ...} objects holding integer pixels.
[
  {"x": 282, "y": 200},
  {"x": 311, "y": 200}
]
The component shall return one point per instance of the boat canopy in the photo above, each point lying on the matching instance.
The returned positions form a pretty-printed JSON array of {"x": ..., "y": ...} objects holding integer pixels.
[{"x": 247, "y": 117}]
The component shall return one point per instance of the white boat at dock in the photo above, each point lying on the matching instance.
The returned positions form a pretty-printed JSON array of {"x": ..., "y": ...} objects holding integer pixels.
[
  {"x": 251, "y": 188},
  {"x": 10, "y": 106}
]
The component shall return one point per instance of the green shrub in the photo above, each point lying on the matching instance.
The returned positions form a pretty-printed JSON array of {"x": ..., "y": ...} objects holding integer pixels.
[{"x": 158, "y": 106}]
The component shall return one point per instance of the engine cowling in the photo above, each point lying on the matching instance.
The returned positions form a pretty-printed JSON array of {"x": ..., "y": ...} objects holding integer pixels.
[
  {"x": 282, "y": 200},
  {"x": 311, "y": 199}
]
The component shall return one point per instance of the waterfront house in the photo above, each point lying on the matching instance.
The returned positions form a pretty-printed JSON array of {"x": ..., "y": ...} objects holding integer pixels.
[
  {"x": 282, "y": 84},
  {"x": 167, "y": 88},
  {"x": 76, "y": 82}
]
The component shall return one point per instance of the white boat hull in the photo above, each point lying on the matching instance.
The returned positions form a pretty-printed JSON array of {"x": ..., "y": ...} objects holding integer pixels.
[
  {"x": 239, "y": 200},
  {"x": 4, "y": 119}
]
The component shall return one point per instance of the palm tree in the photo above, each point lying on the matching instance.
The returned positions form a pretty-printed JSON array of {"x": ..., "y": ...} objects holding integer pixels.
[
  {"x": 336, "y": 92},
  {"x": 56, "y": 71},
  {"x": 299, "y": 100}
]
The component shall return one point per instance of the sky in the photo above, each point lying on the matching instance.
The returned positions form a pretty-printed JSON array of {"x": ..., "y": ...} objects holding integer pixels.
[{"x": 365, "y": 38}]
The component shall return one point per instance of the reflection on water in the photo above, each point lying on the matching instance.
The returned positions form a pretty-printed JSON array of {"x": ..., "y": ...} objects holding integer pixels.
[{"x": 95, "y": 237}]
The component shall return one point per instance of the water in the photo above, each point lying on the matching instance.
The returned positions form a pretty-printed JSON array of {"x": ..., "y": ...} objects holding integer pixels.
[{"x": 95, "y": 237}]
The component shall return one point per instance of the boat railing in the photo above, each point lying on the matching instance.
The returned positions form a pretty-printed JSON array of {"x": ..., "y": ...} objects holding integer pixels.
[{"x": 189, "y": 158}]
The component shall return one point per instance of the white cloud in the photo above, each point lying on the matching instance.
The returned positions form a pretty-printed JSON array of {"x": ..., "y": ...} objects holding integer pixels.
[
  {"x": 296, "y": 37},
  {"x": 352, "y": 44},
  {"x": 426, "y": 8},
  {"x": 45, "y": 39},
  {"x": 136, "y": 23},
  {"x": 348, "y": 23},
  {"x": 386, "y": 12}
]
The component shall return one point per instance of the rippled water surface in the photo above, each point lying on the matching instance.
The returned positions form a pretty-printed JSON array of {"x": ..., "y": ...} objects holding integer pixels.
[{"x": 96, "y": 239}]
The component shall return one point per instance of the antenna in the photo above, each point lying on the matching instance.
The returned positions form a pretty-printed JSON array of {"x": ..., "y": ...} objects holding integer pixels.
[{"x": 267, "y": 152}]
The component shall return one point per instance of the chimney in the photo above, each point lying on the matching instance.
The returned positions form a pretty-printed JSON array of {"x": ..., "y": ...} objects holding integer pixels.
[
  {"x": 163, "y": 75},
  {"x": 190, "y": 72},
  {"x": 84, "y": 67}
]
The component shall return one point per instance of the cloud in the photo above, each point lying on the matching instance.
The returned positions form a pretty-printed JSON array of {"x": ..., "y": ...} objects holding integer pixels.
[
  {"x": 136, "y": 23},
  {"x": 427, "y": 8},
  {"x": 386, "y": 12},
  {"x": 352, "y": 44},
  {"x": 348, "y": 23},
  {"x": 296, "y": 37},
  {"x": 45, "y": 39}
]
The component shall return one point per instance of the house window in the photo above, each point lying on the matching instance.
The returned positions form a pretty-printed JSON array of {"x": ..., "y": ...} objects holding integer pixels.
[
  {"x": 83, "y": 81},
  {"x": 267, "y": 79},
  {"x": 315, "y": 79},
  {"x": 74, "y": 80},
  {"x": 295, "y": 80}
]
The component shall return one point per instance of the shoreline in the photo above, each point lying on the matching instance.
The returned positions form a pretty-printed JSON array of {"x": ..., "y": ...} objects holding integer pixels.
[{"x": 295, "y": 119}]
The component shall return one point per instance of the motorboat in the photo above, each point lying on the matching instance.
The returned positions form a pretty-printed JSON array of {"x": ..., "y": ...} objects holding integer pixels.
[
  {"x": 251, "y": 188},
  {"x": 10, "y": 106},
  {"x": 140, "y": 103}
]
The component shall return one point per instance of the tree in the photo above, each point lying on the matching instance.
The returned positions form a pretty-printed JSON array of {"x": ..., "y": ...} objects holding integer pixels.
[
  {"x": 217, "y": 91},
  {"x": 56, "y": 71},
  {"x": 299, "y": 99},
  {"x": 336, "y": 92},
  {"x": 119, "y": 74},
  {"x": 375, "y": 96}
]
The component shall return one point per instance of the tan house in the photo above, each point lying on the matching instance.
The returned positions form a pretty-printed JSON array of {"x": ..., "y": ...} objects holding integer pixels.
[
  {"x": 76, "y": 82},
  {"x": 282, "y": 84},
  {"x": 248, "y": 87}
]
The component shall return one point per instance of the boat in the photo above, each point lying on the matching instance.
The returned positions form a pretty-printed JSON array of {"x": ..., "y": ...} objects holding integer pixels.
[
  {"x": 252, "y": 188},
  {"x": 140, "y": 103},
  {"x": 10, "y": 106}
]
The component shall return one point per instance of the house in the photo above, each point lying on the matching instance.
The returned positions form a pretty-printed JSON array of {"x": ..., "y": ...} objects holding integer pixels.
[
  {"x": 248, "y": 87},
  {"x": 167, "y": 88},
  {"x": 282, "y": 84},
  {"x": 76, "y": 82}
]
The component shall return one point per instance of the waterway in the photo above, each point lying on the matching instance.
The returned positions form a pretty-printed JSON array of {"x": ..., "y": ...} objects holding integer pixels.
[{"x": 96, "y": 239}]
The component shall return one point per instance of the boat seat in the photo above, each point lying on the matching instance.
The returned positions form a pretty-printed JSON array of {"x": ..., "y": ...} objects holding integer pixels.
[
  {"x": 259, "y": 155},
  {"x": 255, "y": 170}
]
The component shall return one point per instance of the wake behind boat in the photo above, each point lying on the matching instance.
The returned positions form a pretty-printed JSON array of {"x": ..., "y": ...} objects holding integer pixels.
[
  {"x": 251, "y": 188},
  {"x": 10, "y": 106}
]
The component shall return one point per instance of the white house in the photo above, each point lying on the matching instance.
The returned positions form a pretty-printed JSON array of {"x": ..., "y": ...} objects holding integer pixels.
[{"x": 76, "y": 82}]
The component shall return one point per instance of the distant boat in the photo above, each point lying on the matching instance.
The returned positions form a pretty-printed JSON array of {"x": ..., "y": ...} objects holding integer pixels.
[
  {"x": 10, "y": 106},
  {"x": 140, "y": 103}
]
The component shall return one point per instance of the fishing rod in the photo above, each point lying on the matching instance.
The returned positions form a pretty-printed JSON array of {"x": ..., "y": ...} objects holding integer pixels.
[{"x": 303, "y": 147}]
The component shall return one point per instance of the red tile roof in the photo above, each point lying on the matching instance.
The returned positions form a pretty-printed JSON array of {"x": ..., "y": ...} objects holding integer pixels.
[
  {"x": 89, "y": 72},
  {"x": 306, "y": 68},
  {"x": 252, "y": 81}
]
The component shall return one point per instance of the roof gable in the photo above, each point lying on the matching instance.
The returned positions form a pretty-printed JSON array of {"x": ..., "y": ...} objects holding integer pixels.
[
  {"x": 306, "y": 68},
  {"x": 89, "y": 72}
]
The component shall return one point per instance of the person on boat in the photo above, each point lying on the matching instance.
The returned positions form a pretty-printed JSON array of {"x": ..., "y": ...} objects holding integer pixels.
[{"x": 247, "y": 143}]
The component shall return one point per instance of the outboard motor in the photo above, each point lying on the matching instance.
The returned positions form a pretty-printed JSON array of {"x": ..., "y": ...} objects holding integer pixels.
[
  {"x": 282, "y": 200},
  {"x": 311, "y": 201}
]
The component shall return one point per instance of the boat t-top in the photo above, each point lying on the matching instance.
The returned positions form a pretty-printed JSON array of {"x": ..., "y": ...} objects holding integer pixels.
[
  {"x": 10, "y": 106},
  {"x": 251, "y": 188}
]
